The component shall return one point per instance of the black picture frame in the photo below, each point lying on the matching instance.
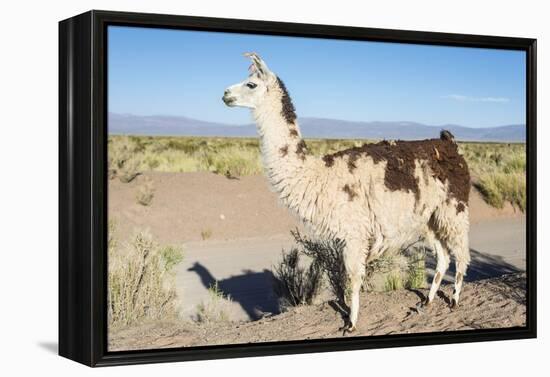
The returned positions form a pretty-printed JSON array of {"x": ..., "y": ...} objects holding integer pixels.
[{"x": 83, "y": 187}]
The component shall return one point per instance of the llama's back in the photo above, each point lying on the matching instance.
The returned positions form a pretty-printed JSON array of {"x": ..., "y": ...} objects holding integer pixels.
[
  {"x": 391, "y": 189},
  {"x": 402, "y": 159}
]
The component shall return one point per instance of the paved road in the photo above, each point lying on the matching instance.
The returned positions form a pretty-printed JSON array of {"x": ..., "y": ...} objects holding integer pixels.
[{"x": 242, "y": 267}]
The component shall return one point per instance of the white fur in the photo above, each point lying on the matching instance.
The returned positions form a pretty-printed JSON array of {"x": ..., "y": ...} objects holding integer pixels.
[{"x": 377, "y": 220}]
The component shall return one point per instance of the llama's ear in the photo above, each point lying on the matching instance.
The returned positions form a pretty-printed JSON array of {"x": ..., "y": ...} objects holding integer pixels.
[{"x": 258, "y": 65}]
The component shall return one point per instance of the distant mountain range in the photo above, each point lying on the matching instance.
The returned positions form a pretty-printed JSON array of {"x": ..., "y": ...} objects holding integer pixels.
[{"x": 311, "y": 128}]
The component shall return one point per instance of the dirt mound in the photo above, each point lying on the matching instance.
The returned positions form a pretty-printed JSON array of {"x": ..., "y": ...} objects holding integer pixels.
[{"x": 491, "y": 303}]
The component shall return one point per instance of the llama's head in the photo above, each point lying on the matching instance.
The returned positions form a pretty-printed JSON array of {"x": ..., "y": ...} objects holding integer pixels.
[{"x": 252, "y": 91}]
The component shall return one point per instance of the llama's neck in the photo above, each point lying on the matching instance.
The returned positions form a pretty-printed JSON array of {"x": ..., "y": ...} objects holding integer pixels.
[
  {"x": 283, "y": 150},
  {"x": 291, "y": 170}
]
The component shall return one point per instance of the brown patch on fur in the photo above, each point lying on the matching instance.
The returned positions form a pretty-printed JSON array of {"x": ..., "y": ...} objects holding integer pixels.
[
  {"x": 460, "y": 208},
  {"x": 437, "y": 278},
  {"x": 288, "y": 111},
  {"x": 293, "y": 132},
  {"x": 284, "y": 150},
  {"x": 351, "y": 193},
  {"x": 351, "y": 163},
  {"x": 301, "y": 149},
  {"x": 329, "y": 160},
  {"x": 447, "y": 165}
]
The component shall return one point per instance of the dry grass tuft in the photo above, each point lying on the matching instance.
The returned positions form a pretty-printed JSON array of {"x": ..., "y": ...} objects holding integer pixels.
[
  {"x": 206, "y": 234},
  {"x": 140, "y": 280},
  {"x": 394, "y": 271},
  {"x": 215, "y": 309},
  {"x": 498, "y": 172},
  {"x": 123, "y": 159},
  {"x": 498, "y": 188},
  {"x": 145, "y": 193}
]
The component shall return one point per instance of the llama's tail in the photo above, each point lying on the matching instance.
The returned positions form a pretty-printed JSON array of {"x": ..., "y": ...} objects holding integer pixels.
[{"x": 447, "y": 136}]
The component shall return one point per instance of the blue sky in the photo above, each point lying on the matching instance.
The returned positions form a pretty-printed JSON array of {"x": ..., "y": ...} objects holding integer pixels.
[{"x": 184, "y": 73}]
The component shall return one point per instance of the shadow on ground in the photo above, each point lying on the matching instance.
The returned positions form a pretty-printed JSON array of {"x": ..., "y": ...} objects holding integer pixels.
[
  {"x": 482, "y": 266},
  {"x": 251, "y": 290}
]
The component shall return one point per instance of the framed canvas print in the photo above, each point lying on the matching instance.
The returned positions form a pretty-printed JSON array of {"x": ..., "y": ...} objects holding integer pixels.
[{"x": 233, "y": 188}]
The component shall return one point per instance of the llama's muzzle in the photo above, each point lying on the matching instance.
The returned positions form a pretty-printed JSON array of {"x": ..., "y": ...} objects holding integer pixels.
[{"x": 227, "y": 99}]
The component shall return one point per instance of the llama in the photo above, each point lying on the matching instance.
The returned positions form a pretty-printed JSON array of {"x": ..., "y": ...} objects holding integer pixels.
[{"x": 377, "y": 198}]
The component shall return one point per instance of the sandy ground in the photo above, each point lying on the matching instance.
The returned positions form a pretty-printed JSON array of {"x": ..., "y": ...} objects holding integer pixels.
[
  {"x": 247, "y": 231},
  {"x": 491, "y": 303},
  {"x": 186, "y": 204}
]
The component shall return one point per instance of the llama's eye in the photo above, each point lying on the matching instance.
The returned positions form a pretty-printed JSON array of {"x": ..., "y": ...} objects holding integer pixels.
[{"x": 251, "y": 85}]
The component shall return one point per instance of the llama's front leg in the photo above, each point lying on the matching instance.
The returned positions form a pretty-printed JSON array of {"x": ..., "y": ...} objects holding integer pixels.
[
  {"x": 356, "y": 280},
  {"x": 355, "y": 268}
]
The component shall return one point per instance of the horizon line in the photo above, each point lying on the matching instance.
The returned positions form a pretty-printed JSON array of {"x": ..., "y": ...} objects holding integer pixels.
[
  {"x": 321, "y": 118},
  {"x": 474, "y": 141}
]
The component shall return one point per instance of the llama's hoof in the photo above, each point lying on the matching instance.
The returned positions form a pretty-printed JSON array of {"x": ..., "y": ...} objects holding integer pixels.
[
  {"x": 419, "y": 308},
  {"x": 453, "y": 304},
  {"x": 347, "y": 329}
]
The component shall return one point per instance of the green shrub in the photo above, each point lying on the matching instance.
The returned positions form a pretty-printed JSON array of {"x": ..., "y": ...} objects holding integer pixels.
[
  {"x": 416, "y": 272},
  {"x": 393, "y": 282},
  {"x": 328, "y": 256}
]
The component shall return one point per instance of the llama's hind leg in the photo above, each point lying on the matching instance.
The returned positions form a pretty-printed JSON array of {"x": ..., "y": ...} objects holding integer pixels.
[
  {"x": 453, "y": 228},
  {"x": 461, "y": 268},
  {"x": 458, "y": 245},
  {"x": 443, "y": 260}
]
